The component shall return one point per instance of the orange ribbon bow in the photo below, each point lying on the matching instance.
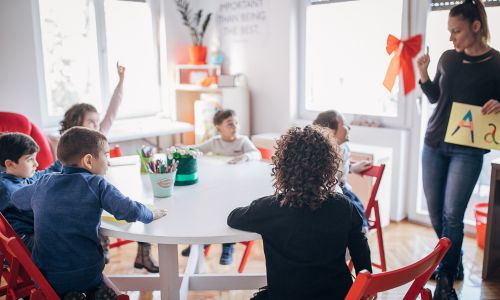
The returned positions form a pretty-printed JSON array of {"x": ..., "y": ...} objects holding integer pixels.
[{"x": 403, "y": 61}]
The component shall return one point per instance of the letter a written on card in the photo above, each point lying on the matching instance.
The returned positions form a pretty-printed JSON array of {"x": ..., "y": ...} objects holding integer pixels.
[{"x": 469, "y": 127}]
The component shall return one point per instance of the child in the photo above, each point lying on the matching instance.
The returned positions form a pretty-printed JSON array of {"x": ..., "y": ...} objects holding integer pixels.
[
  {"x": 228, "y": 143},
  {"x": 306, "y": 226},
  {"x": 18, "y": 156},
  {"x": 339, "y": 130},
  {"x": 70, "y": 256}
]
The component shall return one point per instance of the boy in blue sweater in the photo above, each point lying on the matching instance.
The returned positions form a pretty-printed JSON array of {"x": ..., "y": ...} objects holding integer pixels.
[
  {"x": 18, "y": 157},
  {"x": 67, "y": 210}
]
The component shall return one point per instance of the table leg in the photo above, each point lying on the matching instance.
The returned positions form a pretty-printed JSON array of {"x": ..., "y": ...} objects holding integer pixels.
[{"x": 169, "y": 272}]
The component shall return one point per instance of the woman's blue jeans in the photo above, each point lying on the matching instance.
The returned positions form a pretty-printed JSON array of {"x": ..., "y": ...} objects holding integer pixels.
[{"x": 450, "y": 173}]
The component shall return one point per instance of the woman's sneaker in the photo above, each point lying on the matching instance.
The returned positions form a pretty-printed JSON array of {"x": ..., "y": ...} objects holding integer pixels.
[{"x": 105, "y": 293}]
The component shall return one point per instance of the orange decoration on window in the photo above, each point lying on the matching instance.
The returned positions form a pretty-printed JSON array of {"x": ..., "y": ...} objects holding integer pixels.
[{"x": 402, "y": 61}]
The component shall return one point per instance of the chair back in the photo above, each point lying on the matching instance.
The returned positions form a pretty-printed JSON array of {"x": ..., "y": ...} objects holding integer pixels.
[
  {"x": 12, "y": 122},
  {"x": 22, "y": 277},
  {"x": 375, "y": 172},
  {"x": 370, "y": 284}
]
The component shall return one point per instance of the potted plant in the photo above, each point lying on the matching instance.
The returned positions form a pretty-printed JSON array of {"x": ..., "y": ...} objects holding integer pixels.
[
  {"x": 197, "y": 27},
  {"x": 187, "y": 163}
]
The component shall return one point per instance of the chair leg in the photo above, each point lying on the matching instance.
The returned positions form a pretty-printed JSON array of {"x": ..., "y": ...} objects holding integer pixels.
[
  {"x": 243, "y": 263},
  {"x": 380, "y": 238}
]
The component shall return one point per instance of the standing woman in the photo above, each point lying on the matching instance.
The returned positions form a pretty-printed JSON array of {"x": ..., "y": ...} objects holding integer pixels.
[{"x": 468, "y": 74}]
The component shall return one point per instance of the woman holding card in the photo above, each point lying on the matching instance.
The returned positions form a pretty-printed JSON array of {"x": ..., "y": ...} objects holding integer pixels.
[{"x": 468, "y": 74}]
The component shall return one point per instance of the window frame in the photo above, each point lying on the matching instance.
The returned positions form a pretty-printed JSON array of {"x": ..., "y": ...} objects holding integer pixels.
[
  {"x": 106, "y": 87},
  {"x": 399, "y": 121}
]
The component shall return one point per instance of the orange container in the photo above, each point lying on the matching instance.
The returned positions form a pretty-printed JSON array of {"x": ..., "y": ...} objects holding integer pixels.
[{"x": 481, "y": 212}]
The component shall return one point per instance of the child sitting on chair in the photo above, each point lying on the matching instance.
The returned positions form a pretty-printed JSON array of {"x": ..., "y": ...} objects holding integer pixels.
[
  {"x": 339, "y": 130},
  {"x": 228, "y": 143},
  {"x": 67, "y": 207},
  {"x": 18, "y": 156},
  {"x": 306, "y": 226}
]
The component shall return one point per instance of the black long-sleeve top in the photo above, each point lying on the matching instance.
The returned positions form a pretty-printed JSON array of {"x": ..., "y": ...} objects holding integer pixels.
[
  {"x": 460, "y": 78},
  {"x": 305, "y": 249}
]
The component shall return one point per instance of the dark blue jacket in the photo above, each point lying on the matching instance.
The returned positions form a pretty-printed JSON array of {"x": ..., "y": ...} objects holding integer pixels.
[{"x": 67, "y": 208}]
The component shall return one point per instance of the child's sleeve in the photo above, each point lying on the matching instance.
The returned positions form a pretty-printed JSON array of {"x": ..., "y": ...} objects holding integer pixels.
[
  {"x": 55, "y": 167},
  {"x": 247, "y": 218},
  {"x": 112, "y": 110},
  {"x": 121, "y": 206},
  {"x": 21, "y": 199},
  {"x": 206, "y": 147},
  {"x": 5, "y": 195},
  {"x": 250, "y": 150},
  {"x": 358, "y": 243}
]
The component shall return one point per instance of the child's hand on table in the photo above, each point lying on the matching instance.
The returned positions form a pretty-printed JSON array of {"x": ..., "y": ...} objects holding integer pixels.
[
  {"x": 159, "y": 213},
  {"x": 360, "y": 166},
  {"x": 238, "y": 159}
]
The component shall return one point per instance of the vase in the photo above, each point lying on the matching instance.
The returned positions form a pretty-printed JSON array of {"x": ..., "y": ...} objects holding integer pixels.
[
  {"x": 186, "y": 171},
  {"x": 197, "y": 55}
]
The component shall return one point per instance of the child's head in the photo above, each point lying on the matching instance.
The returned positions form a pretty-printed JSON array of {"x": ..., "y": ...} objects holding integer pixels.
[
  {"x": 334, "y": 121},
  {"x": 81, "y": 114},
  {"x": 18, "y": 154},
  {"x": 85, "y": 148},
  {"x": 226, "y": 123},
  {"x": 305, "y": 164}
]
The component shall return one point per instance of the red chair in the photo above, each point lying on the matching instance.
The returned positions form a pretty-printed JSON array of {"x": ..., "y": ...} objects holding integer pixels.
[
  {"x": 243, "y": 263},
  {"x": 372, "y": 206},
  {"x": 22, "y": 277},
  {"x": 367, "y": 284},
  {"x": 12, "y": 122}
]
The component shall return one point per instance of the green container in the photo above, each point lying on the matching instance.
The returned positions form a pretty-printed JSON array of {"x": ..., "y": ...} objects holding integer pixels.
[
  {"x": 162, "y": 183},
  {"x": 186, "y": 171}
]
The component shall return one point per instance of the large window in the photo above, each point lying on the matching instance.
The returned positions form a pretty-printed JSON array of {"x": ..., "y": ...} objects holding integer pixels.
[
  {"x": 82, "y": 40},
  {"x": 437, "y": 37},
  {"x": 345, "y": 56}
]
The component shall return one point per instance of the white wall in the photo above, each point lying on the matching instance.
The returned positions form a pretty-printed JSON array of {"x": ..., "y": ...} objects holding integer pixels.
[{"x": 18, "y": 74}]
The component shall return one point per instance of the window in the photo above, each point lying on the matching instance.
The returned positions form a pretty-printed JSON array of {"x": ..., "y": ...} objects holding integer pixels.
[
  {"x": 82, "y": 40},
  {"x": 437, "y": 37},
  {"x": 345, "y": 57}
]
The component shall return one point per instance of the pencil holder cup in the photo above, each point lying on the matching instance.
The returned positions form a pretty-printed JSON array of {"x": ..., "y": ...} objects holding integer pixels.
[
  {"x": 144, "y": 163},
  {"x": 162, "y": 183}
]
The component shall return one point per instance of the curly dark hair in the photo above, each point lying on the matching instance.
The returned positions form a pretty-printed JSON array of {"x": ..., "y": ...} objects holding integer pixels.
[
  {"x": 74, "y": 116},
  {"x": 305, "y": 166}
]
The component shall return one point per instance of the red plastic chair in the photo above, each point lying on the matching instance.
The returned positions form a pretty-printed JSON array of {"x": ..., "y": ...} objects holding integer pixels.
[
  {"x": 370, "y": 284},
  {"x": 22, "y": 277},
  {"x": 246, "y": 254},
  {"x": 372, "y": 206},
  {"x": 12, "y": 122}
]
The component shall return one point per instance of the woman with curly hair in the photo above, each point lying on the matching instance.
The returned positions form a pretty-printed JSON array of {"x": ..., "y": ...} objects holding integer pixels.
[{"x": 306, "y": 226}]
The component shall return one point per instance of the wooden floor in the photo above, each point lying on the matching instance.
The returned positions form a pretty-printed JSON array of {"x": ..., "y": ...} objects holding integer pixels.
[{"x": 404, "y": 244}]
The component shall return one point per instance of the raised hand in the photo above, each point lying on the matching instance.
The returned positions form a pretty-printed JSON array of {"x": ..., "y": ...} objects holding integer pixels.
[
  {"x": 121, "y": 71},
  {"x": 422, "y": 64}
]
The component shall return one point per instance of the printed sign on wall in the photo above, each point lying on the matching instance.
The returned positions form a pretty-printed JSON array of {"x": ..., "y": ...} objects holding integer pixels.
[
  {"x": 242, "y": 20},
  {"x": 469, "y": 127}
]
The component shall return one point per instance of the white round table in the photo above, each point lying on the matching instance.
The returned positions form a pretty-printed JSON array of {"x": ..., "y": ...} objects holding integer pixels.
[{"x": 197, "y": 215}]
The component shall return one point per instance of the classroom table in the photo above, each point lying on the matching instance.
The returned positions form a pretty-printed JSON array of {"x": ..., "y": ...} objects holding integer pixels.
[
  {"x": 491, "y": 260},
  {"x": 197, "y": 215}
]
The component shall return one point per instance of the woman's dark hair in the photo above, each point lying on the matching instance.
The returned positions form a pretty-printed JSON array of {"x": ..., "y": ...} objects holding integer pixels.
[
  {"x": 328, "y": 119},
  {"x": 473, "y": 10},
  {"x": 223, "y": 114},
  {"x": 74, "y": 116},
  {"x": 304, "y": 167},
  {"x": 13, "y": 145}
]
